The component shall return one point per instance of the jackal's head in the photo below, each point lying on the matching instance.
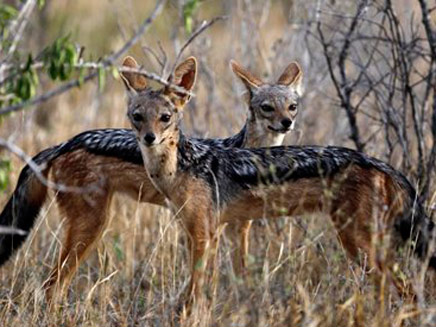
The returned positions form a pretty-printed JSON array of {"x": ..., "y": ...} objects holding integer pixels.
[
  {"x": 273, "y": 107},
  {"x": 155, "y": 114}
]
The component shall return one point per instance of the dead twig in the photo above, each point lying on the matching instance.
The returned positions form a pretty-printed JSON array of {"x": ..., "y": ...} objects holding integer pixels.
[
  {"x": 38, "y": 171},
  {"x": 17, "y": 27},
  {"x": 204, "y": 26},
  {"x": 107, "y": 62},
  {"x": 11, "y": 230}
]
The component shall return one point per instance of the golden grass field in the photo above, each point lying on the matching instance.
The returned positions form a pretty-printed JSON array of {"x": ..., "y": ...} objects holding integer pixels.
[{"x": 299, "y": 274}]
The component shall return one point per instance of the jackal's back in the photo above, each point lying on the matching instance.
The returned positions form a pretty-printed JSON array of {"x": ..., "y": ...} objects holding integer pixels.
[
  {"x": 240, "y": 169},
  {"x": 235, "y": 175}
]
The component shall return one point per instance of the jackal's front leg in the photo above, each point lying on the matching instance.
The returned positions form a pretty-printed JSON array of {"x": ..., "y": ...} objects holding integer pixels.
[
  {"x": 202, "y": 248},
  {"x": 199, "y": 243}
]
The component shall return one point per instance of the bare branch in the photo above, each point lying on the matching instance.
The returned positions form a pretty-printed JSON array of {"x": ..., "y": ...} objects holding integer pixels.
[
  {"x": 38, "y": 171},
  {"x": 164, "y": 60},
  {"x": 204, "y": 26},
  {"x": 107, "y": 62},
  {"x": 50, "y": 94},
  {"x": 11, "y": 230},
  {"x": 141, "y": 30},
  {"x": 76, "y": 83},
  {"x": 155, "y": 56},
  {"x": 431, "y": 38},
  {"x": 17, "y": 27}
]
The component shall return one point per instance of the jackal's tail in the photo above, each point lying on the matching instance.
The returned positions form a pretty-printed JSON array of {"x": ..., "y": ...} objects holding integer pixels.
[
  {"x": 414, "y": 225},
  {"x": 425, "y": 240},
  {"x": 25, "y": 203},
  {"x": 419, "y": 229}
]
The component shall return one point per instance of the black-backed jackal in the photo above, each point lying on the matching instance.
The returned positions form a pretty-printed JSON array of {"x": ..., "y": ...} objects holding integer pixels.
[
  {"x": 369, "y": 202},
  {"x": 110, "y": 160}
]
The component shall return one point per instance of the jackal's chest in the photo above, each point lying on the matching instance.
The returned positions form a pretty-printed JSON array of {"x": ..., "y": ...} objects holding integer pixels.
[{"x": 161, "y": 166}]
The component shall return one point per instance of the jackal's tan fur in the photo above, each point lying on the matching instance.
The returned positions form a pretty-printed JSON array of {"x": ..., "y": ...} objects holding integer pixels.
[
  {"x": 86, "y": 214},
  {"x": 371, "y": 204}
]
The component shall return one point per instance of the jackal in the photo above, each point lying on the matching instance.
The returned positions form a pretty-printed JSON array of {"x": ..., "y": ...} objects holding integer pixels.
[
  {"x": 369, "y": 202},
  {"x": 111, "y": 160}
]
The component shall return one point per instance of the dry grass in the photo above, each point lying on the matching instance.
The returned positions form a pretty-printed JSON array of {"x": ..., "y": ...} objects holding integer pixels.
[{"x": 298, "y": 273}]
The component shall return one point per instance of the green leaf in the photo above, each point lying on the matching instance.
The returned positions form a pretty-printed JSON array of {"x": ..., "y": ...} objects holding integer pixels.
[
  {"x": 28, "y": 62},
  {"x": 26, "y": 85},
  {"x": 7, "y": 12},
  {"x": 188, "y": 25},
  {"x": 71, "y": 54},
  {"x": 101, "y": 78},
  {"x": 61, "y": 57},
  {"x": 22, "y": 89},
  {"x": 53, "y": 70},
  {"x": 115, "y": 73},
  {"x": 118, "y": 249},
  {"x": 199, "y": 264},
  {"x": 81, "y": 79},
  {"x": 34, "y": 77},
  {"x": 41, "y": 3},
  {"x": 63, "y": 73},
  {"x": 188, "y": 12},
  {"x": 5, "y": 169}
]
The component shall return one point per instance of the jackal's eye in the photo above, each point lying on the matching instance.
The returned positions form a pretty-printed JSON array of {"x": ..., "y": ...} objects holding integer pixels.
[
  {"x": 165, "y": 118},
  {"x": 137, "y": 117},
  {"x": 293, "y": 107},
  {"x": 267, "y": 108}
]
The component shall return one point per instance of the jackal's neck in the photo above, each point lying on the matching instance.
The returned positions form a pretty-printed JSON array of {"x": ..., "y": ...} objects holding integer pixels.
[
  {"x": 257, "y": 134},
  {"x": 161, "y": 162}
]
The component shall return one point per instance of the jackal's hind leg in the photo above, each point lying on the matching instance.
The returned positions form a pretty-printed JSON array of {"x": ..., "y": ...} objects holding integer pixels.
[
  {"x": 244, "y": 232},
  {"x": 86, "y": 219},
  {"x": 358, "y": 236},
  {"x": 238, "y": 232}
]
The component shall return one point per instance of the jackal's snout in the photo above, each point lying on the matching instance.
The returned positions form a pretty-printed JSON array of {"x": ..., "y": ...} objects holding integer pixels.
[
  {"x": 286, "y": 123},
  {"x": 149, "y": 138},
  {"x": 283, "y": 126}
]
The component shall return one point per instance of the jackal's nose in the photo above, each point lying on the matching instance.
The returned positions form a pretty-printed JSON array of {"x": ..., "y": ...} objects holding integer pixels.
[
  {"x": 286, "y": 122},
  {"x": 149, "y": 138}
]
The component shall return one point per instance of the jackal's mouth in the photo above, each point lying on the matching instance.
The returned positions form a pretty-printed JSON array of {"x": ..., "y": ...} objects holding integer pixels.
[{"x": 283, "y": 130}]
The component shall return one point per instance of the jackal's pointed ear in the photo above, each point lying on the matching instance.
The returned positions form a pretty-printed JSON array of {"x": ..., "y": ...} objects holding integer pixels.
[
  {"x": 134, "y": 82},
  {"x": 250, "y": 81},
  {"x": 184, "y": 76},
  {"x": 292, "y": 76}
]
